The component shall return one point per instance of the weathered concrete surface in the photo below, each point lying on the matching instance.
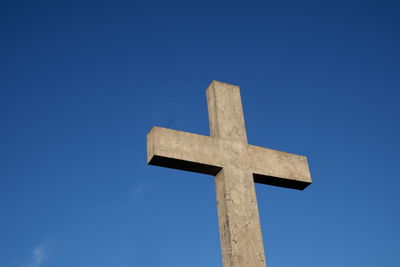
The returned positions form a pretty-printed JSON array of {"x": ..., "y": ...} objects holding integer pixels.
[
  {"x": 208, "y": 155},
  {"x": 235, "y": 165},
  {"x": 225, "y": 113}
]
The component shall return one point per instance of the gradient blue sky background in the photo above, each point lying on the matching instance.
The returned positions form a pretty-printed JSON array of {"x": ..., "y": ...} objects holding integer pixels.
[{"x": 82, "y": 82}]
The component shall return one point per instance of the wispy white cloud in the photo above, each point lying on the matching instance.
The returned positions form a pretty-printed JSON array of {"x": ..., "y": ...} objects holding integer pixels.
[
  {"x": 39, "y": 255},
  {"x": 138, "y": 191}
]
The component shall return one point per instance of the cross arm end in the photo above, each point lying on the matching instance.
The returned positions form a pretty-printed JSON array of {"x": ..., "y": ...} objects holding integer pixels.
[
  {"x": 180, "y": 150},
  {"x": 278, "y": 168}
]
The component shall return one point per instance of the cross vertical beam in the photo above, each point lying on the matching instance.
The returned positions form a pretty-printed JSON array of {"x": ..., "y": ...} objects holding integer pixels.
[{"x": 238, "y": 219}]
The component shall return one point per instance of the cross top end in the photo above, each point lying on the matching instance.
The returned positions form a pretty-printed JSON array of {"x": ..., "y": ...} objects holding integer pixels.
[
  {"x": 216, "y": 83},
  {"x": 225, "y": 112}
]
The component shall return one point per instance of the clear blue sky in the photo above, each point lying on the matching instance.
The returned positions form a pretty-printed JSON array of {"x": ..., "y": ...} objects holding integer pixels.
[{"x": 82, "y": 82}]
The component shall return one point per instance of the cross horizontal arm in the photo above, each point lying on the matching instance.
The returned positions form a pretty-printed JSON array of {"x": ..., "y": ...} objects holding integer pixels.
[
  {"x": 208, "y": 155},
  {"x": 183, "y": 151}
]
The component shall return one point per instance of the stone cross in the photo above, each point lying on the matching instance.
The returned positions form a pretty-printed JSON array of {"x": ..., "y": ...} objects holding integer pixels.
[{"x": 236, "y": 165}]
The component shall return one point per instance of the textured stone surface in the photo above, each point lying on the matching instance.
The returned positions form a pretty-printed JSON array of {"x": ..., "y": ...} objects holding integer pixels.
[
  {"x": 235, "y": 165},
  {"x": 205, "y": 154}
]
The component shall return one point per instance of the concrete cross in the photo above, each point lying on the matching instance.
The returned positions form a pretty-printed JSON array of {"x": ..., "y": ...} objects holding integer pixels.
[{"x": 236, "y": 165}]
